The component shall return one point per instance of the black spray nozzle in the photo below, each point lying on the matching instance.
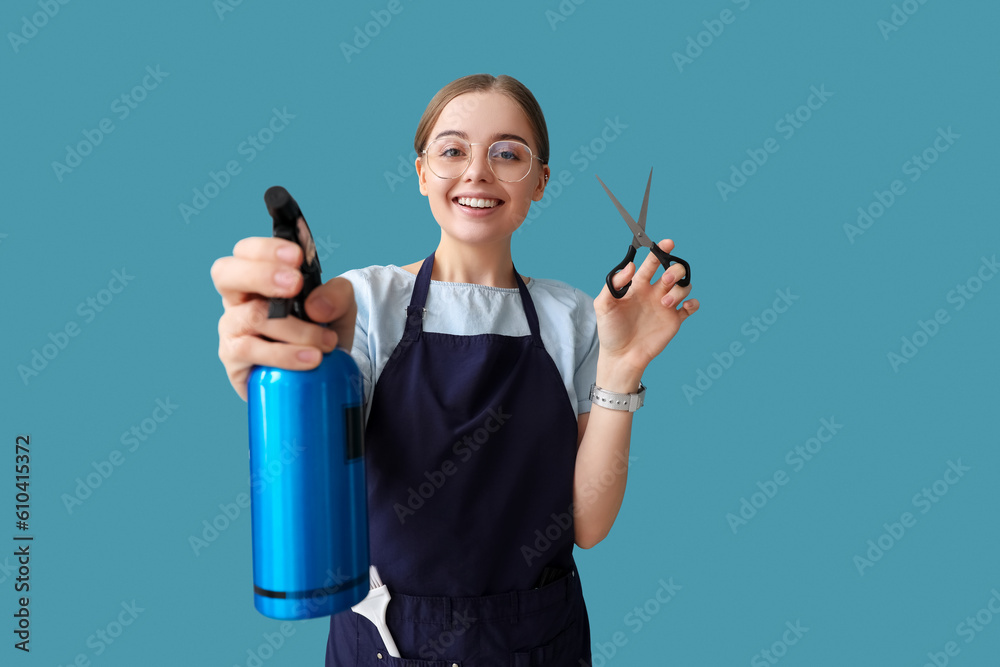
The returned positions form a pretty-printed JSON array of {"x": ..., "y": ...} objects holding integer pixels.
[{"x": 290, "y": 224}]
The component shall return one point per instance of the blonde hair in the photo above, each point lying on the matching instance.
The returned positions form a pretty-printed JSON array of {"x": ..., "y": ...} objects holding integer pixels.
[{"x": 507, "y": 85}]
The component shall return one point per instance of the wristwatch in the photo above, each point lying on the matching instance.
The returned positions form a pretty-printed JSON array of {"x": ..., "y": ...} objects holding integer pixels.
[{"x": 616, "y": 401}]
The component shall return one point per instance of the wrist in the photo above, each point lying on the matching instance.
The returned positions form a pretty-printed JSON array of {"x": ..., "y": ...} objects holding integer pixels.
[{"x": 618, "y": 376}]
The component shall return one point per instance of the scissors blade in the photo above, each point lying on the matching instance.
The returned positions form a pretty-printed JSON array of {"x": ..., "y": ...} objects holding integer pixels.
[
  {"x": 636, "y": 237},
  {"x": 645, "y": 202},
  {"x": 639, "y": 238}
]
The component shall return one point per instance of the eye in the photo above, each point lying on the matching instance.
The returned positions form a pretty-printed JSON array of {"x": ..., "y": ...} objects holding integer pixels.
[
  {"x": 509, "y": 152},
  {"x": 451, "y": 149}
]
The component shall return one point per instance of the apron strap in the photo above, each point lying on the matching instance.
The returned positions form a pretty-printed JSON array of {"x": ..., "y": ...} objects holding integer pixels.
[
  {"x": 415, "y": 311},
  {"x": 529, "y": 311}
]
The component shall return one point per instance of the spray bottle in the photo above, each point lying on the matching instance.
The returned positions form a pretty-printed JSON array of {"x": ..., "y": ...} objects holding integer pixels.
[{"x": 308, "y": 499}]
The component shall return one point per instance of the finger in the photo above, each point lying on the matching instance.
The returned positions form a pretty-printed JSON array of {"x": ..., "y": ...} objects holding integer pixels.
[
  {"x": 297, "y": 332},
  {"x": 672, "y": 274},
  {"x": 621, "y": 279},
  {"x": 687, "y": 309},
  {"x": 651, "y": 264},
  {"x": 239, "y": 279},
  {"x": 675, "y": 294},
  {"x": 334, "y": 302},
  {"x": 251, "y": 319},
  {"x": 266, "y": 248},
  {"x": 243, "y": 352},
  {"x": 331, "y": 300}
]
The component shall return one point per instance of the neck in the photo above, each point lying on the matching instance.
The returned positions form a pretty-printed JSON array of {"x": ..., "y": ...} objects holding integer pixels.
[{"x": 480, "y": 264}]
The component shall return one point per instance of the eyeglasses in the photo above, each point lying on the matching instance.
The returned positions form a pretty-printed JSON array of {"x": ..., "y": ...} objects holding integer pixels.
[{"x": 449, "y": 157}]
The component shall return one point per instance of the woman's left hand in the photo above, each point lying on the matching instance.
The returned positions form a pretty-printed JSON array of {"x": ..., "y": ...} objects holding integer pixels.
[{"x": 638, "y": 326}]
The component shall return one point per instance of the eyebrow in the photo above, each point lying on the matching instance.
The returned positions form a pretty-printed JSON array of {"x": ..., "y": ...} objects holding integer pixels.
[{"x": 499, "y": 136}]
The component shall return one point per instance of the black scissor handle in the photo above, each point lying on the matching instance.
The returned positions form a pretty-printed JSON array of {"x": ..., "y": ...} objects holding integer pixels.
[
  {"x": 629, "y": 256},
  {"x": 666, "y": 258}
]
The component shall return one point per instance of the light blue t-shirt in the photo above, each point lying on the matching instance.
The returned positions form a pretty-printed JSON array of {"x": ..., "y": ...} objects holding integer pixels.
[{"x": 566, "y": 320}]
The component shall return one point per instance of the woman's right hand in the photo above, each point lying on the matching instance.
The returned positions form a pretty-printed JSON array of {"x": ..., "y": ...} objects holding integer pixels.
[{"x": 262, "y": 268}]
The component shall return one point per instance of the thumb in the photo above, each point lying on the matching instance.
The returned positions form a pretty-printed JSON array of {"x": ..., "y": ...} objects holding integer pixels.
[{"x": 333, "y": 303}]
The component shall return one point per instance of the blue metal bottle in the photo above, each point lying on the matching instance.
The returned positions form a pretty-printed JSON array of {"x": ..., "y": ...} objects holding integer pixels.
[{"x": 308, "y": 498}]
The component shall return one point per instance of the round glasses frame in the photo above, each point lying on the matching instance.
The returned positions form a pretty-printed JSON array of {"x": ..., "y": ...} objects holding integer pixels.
[{"x": 488, "y": 162}]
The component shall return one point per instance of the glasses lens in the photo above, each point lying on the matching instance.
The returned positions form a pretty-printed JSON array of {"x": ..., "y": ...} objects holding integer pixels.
[
  {"x": 448, "y": 157},
  {"x": 511, "y": 160}
]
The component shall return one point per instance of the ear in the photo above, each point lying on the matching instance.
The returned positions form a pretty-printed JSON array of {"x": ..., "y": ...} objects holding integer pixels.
[
  {"x": 543, "y": 180},
  {"x": 421, "y": 176}
]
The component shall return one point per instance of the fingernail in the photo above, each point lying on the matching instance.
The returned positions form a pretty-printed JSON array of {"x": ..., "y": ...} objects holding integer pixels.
[
  {"x": 288, "y": 253},
  {"x": 285, "y": 278},
  {"x": 322, "y": 308},
  {"x": 329, "y": 339},
  {"x": 308, "y": 356},
  {"x": 667, "y": 301}
]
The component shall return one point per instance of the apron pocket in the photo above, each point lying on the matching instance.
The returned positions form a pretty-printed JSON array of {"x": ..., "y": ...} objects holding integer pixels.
[
  {"x": 562, "y": 651},
  {"x": 372, "y": 653}
]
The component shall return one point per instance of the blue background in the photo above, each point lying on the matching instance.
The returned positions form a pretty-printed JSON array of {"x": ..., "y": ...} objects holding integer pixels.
[{"x": 696, "y": 456}]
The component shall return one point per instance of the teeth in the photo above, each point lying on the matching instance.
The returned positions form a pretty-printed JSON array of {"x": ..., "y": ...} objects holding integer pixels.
[{"x": 478, "y": 203}]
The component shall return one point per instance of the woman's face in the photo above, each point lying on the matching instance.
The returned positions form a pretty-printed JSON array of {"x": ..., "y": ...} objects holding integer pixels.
[{"x": 482, "y": 118}]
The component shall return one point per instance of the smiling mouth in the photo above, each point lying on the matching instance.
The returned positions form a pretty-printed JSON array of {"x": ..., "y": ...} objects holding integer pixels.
[{"x": 472, "y": 202}]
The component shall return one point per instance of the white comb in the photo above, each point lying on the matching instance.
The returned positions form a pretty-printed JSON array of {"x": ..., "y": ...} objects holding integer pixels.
[{"x": 373, "y": 608}]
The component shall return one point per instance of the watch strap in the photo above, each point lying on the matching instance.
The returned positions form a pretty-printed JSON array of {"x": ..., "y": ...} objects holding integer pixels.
[{"x": 614, "y": 400}]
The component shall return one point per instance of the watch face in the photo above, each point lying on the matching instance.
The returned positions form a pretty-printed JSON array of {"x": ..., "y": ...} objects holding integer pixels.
[{"x": 306, "y": 241}]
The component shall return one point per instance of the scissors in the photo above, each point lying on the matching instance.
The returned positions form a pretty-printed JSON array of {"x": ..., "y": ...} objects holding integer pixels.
[{"x": 639, "y": 239}]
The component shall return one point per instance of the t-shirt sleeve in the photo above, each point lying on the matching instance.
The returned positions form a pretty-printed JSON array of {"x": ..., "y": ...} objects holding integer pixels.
[
  {"x": 587, "y": 348},
  {"x": 360, "y": 350}
]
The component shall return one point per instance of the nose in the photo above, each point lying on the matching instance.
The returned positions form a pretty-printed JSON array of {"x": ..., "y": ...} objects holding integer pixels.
[{"x": 479, "y": 168}]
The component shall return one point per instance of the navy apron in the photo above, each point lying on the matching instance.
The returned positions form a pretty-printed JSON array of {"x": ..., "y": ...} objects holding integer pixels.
[{"x": 470, "y": 451}]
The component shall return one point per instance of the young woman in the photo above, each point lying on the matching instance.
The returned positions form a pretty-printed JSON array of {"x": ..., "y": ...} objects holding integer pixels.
[{"x": 485, "y": 463}]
